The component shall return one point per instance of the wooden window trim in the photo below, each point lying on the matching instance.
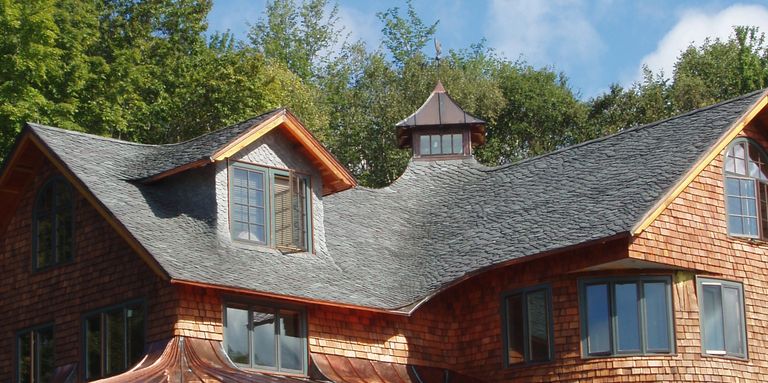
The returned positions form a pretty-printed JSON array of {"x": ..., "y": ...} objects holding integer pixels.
[
  {"x": 35, "y": 366},
  {"x": 269, "y": 202},
  {"x": 466, "y": 144},
  {"x": 505, "y": 326},
  {"x": 642, "y": 320},
  {"x": 750, "y": 144},
  {"x": 52, "y": 182},
  {"x": 701, "y": 281},
  {"x": 249, "y": 306},
  {"x": 101, "y": 313}
]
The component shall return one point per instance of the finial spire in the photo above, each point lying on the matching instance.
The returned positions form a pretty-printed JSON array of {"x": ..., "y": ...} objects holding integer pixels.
[{"x": 438, "y": 51}]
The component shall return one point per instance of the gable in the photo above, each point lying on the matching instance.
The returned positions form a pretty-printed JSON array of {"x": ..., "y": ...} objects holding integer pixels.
[{"x": 756, "y": 115}]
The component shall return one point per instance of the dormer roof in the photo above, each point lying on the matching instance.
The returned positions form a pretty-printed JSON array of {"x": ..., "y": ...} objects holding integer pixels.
[{"x": 440, "y": 111}]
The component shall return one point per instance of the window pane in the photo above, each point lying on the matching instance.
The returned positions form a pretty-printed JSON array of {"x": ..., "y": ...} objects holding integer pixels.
[
  {"x": 256, "y": 215},
  {"x": 264, "y": 338},
  {"x": 63, "y": 236},
  {"x": 538, "y": 325},
  {"x": 25, "y": 358},
  {"x": 436, "y": 144},
  {"x": 712, "y": 318},
  {"x": 45, "y": 358},
  {"x": 44, "y": 233},
  {"x": 447, "y": 146},
  {"x": 735, "y": 225},
  {"x": 291, "y": 356},
  {"x": 515, "y": 329},
  {"x": 750, "y": 226},
  {"x": 424, "y": 144},
  {"x": 93, "y": 346},
  {"x": 240, "y": 195},
  {"x": 458, "y": 145},
  {"x": 256, "y": 198},
  {"x": 627, "y": 314},
  {"x": 240, "y": 177},
  {"x": 240, "y": 230},
  {"x": 748, "y": 188},
  {"x": 734, "y": 205},
  {"x": 732, "y": 186},
  {"x": 733, "y": 321},
  {"x": 255, "y": 180},
  {"x": 135, "y": 322},
  {"x": 598, "y": 319},
  {"x": 236, "y": 335},
  {"x": 657, "y": 316},
  {"x": 115, "y": 347},
  {"x": 257, "y": 233}
]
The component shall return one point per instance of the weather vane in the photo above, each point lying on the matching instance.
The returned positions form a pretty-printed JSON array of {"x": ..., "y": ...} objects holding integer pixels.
[{"x": 438, "y": 51}]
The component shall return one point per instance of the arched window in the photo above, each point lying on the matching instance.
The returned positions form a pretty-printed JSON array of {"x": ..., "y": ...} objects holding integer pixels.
[
  {"x": 52, "y": 224},
  {"x": 746, "y": 189}
]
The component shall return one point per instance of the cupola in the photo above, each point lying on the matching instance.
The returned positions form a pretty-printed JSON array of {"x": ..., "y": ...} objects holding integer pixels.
[{"x": 440, "y": 129}]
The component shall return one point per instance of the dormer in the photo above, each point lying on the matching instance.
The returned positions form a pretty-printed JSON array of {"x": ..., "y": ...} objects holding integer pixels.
[{"x": 440, "y": 129}]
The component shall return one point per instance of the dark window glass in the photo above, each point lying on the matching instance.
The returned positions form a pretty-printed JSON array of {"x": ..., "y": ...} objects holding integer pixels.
[
  {"x": 53, "y": 224},
  {"x": 627, "y": 316},
  {"x": 515, "y": 330},
  {"x": 435, "y": 139},
  {"x": 657, "y": 318},
  {"x": 264, "y": 338},
  {"x": 424, "y": 145},
  {"x": 722, "y": 318},
  {"x": 35, "y": 355},
  {"x": 458, "y": 144},
  {"x": 236, "y": 334},
  {"x": 598, "y": 319},
  {"x": 114, "y": 340},
  {"x": 528, "y": 326},
  {"x": 447, "y": 145},
  {"x": 538, "y": 325},
  {"x": 746, "y": 180},
  {"x": 291, "y": 352},
  {"x": 275, "y": 339}
]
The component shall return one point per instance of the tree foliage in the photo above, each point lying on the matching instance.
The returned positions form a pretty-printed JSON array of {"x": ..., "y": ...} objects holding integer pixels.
[{"x": 149, "y": 71}]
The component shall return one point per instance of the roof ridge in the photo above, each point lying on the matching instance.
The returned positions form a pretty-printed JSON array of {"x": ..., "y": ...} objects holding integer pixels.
[
  {"x": 34, "y": 125},
  {"x": 623, "y": 131},
  {"x": 224, "y": 128},
  {"x": 117, "y": 140}
]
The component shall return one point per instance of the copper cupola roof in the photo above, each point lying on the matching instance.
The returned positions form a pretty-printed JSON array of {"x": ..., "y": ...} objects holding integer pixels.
[{"x": 440, "y": 111}]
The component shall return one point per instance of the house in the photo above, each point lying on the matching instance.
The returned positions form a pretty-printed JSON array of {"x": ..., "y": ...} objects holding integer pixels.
[{"x": 250, "y": 254}]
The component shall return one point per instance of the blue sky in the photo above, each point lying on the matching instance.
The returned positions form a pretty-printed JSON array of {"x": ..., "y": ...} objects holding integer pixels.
[{"x": 595, "y": 43}]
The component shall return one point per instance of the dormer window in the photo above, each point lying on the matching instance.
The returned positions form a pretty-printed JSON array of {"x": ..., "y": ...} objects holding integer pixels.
[
  {"x": 270, "y": 206},
  {"x": 746, "y": 189}
]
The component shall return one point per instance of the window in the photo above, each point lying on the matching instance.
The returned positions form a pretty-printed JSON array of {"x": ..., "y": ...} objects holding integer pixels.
[
  {"x": 441, "y": 144},
  {"x": 267, "y": 338},
  {"x": 746, "y": 189},
  {"x": 35, "y": 361},
  {"x": 721, "y": 307},
  {"x": 528, "y": 326},
  {"x": 114, "y": 340},
  {"x": 626, "y": 316},
  {"x": 271, "y": 207},
  {"x": 52, "y": 224}
]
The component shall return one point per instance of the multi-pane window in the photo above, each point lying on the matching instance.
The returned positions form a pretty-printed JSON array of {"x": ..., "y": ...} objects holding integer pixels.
[
  {"x": 746, "y": 189},
  {"x": 441, "y": 144},
  {"x": 528, "y": 324},
  {"x": 114, "y": 340},
  {"x": 270, "y": 206},
  {"x": 35, "y": 361},
  {"x": 263, "y": 337},
  {"x": 723, "y": 329},
  {"x": 52, "y": 224},
  {"x": 626, "y": 316}
]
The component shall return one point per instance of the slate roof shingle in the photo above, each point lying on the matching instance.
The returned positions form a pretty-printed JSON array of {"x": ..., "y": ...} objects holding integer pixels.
[{"x": 392, "y": 247}]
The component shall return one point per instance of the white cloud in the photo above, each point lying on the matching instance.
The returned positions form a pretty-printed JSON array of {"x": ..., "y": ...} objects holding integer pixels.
[
  {"x": 359, "y": 25},
  {"x": 694, "y": 27},
  {"x": 543, "y": 32}
]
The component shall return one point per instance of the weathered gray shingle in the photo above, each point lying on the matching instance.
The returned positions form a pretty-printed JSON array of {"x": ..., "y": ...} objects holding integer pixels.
[{"x": 391, "y": 247}]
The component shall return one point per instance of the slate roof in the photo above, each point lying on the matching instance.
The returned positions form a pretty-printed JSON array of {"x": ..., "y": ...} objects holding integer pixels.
[{"x": 392, "y": 247}]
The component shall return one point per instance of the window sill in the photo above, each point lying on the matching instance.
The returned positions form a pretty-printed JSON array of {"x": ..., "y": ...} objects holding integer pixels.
[{"x": 725, "y": 356}]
